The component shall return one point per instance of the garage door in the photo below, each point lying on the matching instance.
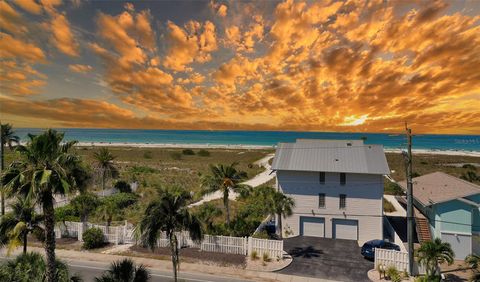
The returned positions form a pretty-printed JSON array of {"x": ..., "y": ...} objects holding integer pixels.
[
  {"x": 345, "y": 229},
  {"x": 312, "y": 226},
  {"x": 461, "y": 244}
]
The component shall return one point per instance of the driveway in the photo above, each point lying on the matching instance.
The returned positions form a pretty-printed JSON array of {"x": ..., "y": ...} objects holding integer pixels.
[{"x": 326, "y": 258}]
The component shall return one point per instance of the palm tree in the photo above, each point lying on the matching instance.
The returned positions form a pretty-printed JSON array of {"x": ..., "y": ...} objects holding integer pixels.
[
  {"x": 84, "y": 204},
  {"x": 206, "y": 213},
  {"x": 107, "y": 210},
  {"x": 474, "y": 261},
  {"x": 44, "y": 170},
  {"x": 31, "y": 267},
  {"x": 125, "y": 271},
  {"x": 282, "y": 207},
  {"x": 7, "y": 137},
  {"x": 104, "y": 163},
  {"x": 16, "y": 225},
  {"x": 224, "y": 178},
  {"x": 168, "y": 213},
  {"x": 432, "y": 253}
]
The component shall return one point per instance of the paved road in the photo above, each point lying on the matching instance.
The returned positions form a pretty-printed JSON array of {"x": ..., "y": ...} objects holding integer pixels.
[
  {"x": 326, "y": 259},
  {"x": 88, "y": 270}
]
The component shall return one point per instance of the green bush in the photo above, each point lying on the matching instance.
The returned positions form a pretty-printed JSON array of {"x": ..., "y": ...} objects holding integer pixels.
[
  {"x": 123, "y": 186},
  {"x": 66, "y": 213},
  {"x": 203, "y": 153},
  {"x": 176, "y": 156},
  {"x": 188, "y": 152},
  {"x": 469, "y": 166},
  {"x": 122, "y": 200},
  {"x": 147, "y": 155},
  {"x": 387, "y": 206},
  {"x": 393, "y": 274},
  {"x": 93, "y": 238},
  {"x": 261, "y": 235},
  {"x": 254, "y": 255},
  {"x": 391, "y": 188}
]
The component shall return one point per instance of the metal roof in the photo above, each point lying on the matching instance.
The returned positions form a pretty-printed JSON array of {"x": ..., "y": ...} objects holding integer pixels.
[
  {"x": 350, "y": 156},
  {"x": 439, "y": 187}
]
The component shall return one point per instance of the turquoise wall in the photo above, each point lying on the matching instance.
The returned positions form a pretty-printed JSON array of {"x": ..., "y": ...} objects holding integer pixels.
[
  {"x": 476, "y": 213},
  {"x": 453, "y": 216}
]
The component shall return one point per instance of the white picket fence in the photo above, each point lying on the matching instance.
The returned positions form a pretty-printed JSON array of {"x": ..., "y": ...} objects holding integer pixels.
[
  {"x": 398, "y": 259},
  {"x": 274, "y": 248},
  {"x": 225, "y": 244}
]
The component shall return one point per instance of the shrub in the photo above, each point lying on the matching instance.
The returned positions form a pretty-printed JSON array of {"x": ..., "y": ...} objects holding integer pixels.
[
  {"x": 254, "y": 255},
  {"x": 176, "y": 156},
  {"x": 415, "y": 174},
  {"x": 204, "y": 153},
  {"x": 122, "y": 200},
  {"x": 261, "y": 235},
  {"x": 423, "y": 162},
  {"x": 92, "y": 238},
  {"x": 123, "y": 186},
  {"x": 188, "y": 152},
  {"x": 66, "y": 213},
  {"x": 147, "y": 155},
  {"x": 265, "y": 257},
  {"x": 469, "y": 166},
  {"x": 392, "y": 188},
  {"x": 393, "y": 274}
]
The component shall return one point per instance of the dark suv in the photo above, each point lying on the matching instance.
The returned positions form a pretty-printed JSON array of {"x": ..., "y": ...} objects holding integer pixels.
[{"x": 368, "y": 249}]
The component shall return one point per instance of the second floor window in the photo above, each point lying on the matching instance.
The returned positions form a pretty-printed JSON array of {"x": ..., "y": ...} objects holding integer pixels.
[
  {"x": 322, "y": 177},
  {"x": 321, "y": 200},
  {"x": 343, "y": 178},
  {"x": 343, "y": 201}
]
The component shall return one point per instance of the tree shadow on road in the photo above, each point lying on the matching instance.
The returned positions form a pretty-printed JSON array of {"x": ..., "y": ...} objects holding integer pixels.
[{"x": 308, "y": 252}]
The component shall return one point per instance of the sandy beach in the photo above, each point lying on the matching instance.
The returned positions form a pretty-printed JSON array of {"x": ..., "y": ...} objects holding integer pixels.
[{"x": 257, "y": 147}]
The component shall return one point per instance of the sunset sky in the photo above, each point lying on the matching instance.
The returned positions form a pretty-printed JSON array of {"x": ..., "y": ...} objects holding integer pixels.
[{"x": 259, "y": 65}]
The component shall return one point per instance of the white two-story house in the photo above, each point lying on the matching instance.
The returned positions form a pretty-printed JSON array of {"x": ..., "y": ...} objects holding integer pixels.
[{"x": 337, "y": 186}]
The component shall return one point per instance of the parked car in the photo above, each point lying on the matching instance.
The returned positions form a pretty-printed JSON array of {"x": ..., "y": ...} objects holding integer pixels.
[{"x": 368, "y": 249}]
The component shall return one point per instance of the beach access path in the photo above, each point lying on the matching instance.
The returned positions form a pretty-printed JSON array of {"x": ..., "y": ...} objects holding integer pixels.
[{"x": 259, "y": 179}]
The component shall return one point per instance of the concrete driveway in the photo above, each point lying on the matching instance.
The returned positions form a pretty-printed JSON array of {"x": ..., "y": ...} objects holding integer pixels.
[{"x": 324, "y": 258}]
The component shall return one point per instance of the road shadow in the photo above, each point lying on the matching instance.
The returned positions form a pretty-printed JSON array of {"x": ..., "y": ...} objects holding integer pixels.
[{"x": 307, "y": 252}]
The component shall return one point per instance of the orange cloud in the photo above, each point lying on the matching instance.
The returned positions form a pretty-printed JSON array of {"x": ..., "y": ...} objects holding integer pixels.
[
  {"x": 15, "y": 48},
  {"x": 80, "y": 68},
  {"x": 62, "y": 36},
  {"x": 30, "y": 6}
]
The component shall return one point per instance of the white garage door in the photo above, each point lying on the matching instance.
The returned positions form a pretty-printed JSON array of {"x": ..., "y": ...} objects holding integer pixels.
[
  {"x": 345, "y": 229},
  {"x": 312, "y": 226},
  {"x": 461, "y": 244}
]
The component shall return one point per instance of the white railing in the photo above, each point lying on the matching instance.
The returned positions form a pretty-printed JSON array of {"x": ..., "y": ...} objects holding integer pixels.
[
  {"x": 274, "y": 248},
  {"x": 387, "y": 258},
  {"x": 220, "y": 244},
  {"x": 225, "y": 244}
]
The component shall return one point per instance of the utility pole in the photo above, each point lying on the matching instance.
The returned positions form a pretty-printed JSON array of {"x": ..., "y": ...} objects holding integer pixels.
[
  {"x": 2, "y": 157},
  {"x": 408, "y": 165}
]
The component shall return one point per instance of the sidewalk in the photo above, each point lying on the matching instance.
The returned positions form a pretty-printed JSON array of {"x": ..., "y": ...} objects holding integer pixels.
[{"x": 68, "y": 255}]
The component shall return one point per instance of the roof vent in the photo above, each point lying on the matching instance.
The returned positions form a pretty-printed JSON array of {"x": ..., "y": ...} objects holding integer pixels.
[
  {"x": 349, "y": 144},
  {"x": 336, "y": 160}
]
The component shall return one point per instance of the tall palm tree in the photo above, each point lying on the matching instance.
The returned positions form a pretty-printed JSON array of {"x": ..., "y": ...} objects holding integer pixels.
[
  {"x": 432, "y": 253},
  {"x": 224, "y": 178},
  {"x": 107, "y": 210},
  {"x": 7, "y": 137},
  {"x": 104, "y": 164},
  {"x": 125, "y": 271},
  {"x": 168, "y": 213},
  {"x": 43, "y": 171},
  {"x": 16, "y": 225},
  {"x": 282, "y": 207}
]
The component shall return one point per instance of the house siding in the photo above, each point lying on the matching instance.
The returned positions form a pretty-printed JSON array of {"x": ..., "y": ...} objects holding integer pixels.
[{"x": 364, "y": 201}]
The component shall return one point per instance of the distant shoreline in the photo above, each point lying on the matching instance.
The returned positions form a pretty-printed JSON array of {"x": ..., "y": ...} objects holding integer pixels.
[{"x": 255, "y": 147}]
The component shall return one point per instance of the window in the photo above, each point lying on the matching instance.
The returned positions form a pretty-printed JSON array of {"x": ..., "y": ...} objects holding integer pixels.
[
  {"x": 321, "y": 200},
  {"x": 343, "y": 178},
  {"x": 343, "y": 201},
  {"x": 322, "y": 177}
]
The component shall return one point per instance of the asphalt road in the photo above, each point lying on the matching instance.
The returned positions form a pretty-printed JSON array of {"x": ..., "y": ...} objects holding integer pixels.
[{"x": 88, "y": 270}]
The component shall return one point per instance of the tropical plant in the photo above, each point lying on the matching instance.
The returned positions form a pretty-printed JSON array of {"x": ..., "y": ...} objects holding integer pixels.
[
  {"x": 123, "y": 186},
  {"x": 7, "y": 137},
  {"x": 207, "y": 213},
  {"x": 188, "y": 152},
  {"x": 432, "y": 253},
  {"x": 224, "y": 178},
  {"x": 470, "y": 176},
  {"x": 107, "y": 210},
  {"x": 84, "y": 204},
  {"x": 93, "y": 238},
  {"x": 104, "y": 165},
  {"x": 44, "y": 169},
  {"x": 282, "y": 207},
  {"x": 32, "y": 267},
  {"x": 204, "y": 153},
  {"x": 16, "y": 225},
  {"x": 473, "y": 261},
  {"x": 125, "y": 270},
  {"x": 168, "y": 213}
]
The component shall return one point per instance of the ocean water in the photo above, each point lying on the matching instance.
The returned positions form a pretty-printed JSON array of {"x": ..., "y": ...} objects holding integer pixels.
[{"x": 258, "y": 138}]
